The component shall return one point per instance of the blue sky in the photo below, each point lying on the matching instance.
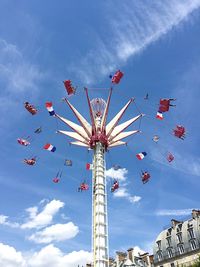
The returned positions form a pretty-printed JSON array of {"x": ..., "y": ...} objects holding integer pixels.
[{"x": 157, "y": 46}]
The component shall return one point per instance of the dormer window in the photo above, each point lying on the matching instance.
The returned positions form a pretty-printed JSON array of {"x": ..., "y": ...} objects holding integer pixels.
[
  {"x": 179, "y": 237},
  {"x": 168, "y": 241},
  {"x": 191, "y": 233},
  {"x": 181, "y": 248},
  {"x": 159, "y": 254},
  {"x": 159, "y": 244},
  {"x": 170, "y": 253},
  {"x": 193, "y": 244},
  {"x": 169, "y": 231}
]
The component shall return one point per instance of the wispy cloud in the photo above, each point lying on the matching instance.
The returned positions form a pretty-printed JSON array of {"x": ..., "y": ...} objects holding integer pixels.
[
  {"x": 19, "y": 78},
  {"x": 179, "y": 212},
  {"x": 4, "y": 221},
  {"x": 122, "y": 192},
  {"x": 188, "y": 164},
  {"x": 17, "y": 74},
  {"x": 132, "y": 28}
]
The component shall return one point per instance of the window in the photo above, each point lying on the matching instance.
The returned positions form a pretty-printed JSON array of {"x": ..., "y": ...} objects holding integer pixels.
[
  {"x": 170, "y": 253},
  {"x": 159, "y": 255},
  {"x": 193, "y": 244},
  {"x": 168, "y": 241},
  {"x": 191, "y": 233},
  {"x": 159, "y": 244},
  {"x": 181, "y": 249},
  {"x": 179, "y": 237}
]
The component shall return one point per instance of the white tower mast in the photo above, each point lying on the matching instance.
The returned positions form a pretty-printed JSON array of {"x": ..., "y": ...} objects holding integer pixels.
[{"x": 99, "y": 137}]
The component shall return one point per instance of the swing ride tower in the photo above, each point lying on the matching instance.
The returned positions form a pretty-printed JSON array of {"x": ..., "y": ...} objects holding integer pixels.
[{"x": 99, "y": 136}]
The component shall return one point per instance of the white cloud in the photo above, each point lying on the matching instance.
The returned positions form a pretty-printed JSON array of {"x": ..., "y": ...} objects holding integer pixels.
[
  {"x": 47, "y": 256},
  {"x": 134, "y": 199},
  {"x": 9, "y": 257},
  {"x": 45, "y": 217},
  {"x": 117, "y": 174},
  {"x": 52, "y": 256},
  {"x": 12, "y": 69},
  {"x": 179, "y": 212},
  {"x": 56, "y": 232},
  {"x": 132, "y": 26},
  {"x": 4, "y": 221},
  {"x": 122, "y": 192},
  {"x": 19, "y": 81}
]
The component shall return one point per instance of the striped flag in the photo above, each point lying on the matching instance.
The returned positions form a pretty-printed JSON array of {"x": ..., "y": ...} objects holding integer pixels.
[
  {"x": 49, "y": 107},
  {"x": 50, "y": 147},
  {"x": 159, "y": 115},
  {"x": 141, "y": 155},
  {"x": 89, "y": 166}
]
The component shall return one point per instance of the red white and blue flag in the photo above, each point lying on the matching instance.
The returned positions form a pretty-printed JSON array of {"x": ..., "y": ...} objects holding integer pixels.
[
  {"x": 159, "y": 115},
  {"x": 141, "y": 155},
  {"x": 89, "y": 166},
  {"x": 50, "y": 147},
  {"x": 49, "y": 107}
]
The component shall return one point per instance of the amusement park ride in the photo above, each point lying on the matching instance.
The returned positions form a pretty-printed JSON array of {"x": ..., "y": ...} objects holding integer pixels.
[{"x": 100, "y": 137}]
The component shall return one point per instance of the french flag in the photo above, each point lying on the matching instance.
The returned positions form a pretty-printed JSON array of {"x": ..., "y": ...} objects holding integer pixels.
[
  {"x": 89, "y": 166},
  {"x": 141, "y": 155},
  {"x": 49, "y": 107},
  {"x": 159, "y": 115},
  {"x": 50, "y": 147}
]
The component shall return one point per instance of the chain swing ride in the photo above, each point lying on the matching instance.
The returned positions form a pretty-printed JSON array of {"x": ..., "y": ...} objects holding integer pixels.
[{"x": 100, "y": 136}]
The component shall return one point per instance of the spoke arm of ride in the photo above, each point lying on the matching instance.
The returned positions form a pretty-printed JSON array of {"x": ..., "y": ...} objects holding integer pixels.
[
  {"x": 74, "y": 135},
  {"x": 120, "y": 128},
  {"x": 122, "y": 136},
  {"x": 118, "y": 143},
  {"x": 111, "y": 125},
  {"x": 105, "y": 114},
  {"x": 77, "y": 128},
  {"x": 84, "y": 123},
  {"x": 77, "y": 143},
  {"x": 91, "y": 113}
]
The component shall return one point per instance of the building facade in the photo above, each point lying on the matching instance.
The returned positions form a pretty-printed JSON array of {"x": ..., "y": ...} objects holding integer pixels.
[
  {"x": 130, "y": 259},
  {"x": 179, "y": 245}
]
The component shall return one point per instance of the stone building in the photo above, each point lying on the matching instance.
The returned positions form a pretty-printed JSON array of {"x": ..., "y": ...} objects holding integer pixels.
[
  {"x": 130, "y": 259},
  {"x": 179, "y": 245}
]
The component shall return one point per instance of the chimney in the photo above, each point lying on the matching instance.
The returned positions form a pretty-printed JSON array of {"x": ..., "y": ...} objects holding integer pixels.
[
  {"x": 121, "y": 257},
  {"x": 195, "y": 214},
  {"x": 174, "y": 222},
  {"x": 130, "y": 254}
]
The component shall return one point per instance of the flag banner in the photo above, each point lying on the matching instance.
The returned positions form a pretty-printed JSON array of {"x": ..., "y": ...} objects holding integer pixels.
[
  {"x": 89, "y": 166},
  {"x": 159, "y": 115},
  {"x": 50, "y": 109},
  {"x": 50, "y": 147},
  {"x": 68, "y": 162},
  {"x": 141, "y": 155}
]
